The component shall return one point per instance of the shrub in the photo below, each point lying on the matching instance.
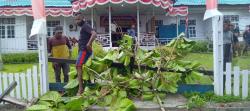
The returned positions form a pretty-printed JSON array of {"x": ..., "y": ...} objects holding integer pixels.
[
  {"x": 200, "y": 46},
  {"x": 18, "y": 58}
]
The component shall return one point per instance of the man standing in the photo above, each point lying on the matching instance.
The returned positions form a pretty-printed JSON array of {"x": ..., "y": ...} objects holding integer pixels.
[
  {"x": 87, "y": 36},
  {"x": 59, "y": 47},
  {"x": 236, "y": 33},
  {"x": 227, "y": 43},
  {"x": 246, "y": 37},
  {"x": 131, "y": 31}
]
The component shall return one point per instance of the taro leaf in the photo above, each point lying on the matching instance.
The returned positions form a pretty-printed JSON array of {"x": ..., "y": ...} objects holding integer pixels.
[
  {"x": 145, "y": 88},
  {"x": 134, "y": 84},
  {"x": 51, "y": 96},
  {"x": 119, "y": 78},
  {"x": 61, "y": 107},
  {"x": 138, "y": 76},
  {"x": 130, "y": 107},
  {"x": 112, "y": 56},
  {"x": 86, "y": 74},
  {"x": 127, "y": 60},
  {"x": 122, "y": 94},
  {"x": 72, "y": 73},
  {"x": 193, "y": 78},
  {"x": 72, "y": 84},
  {"x": 104, "y": 91},
  {"x": 147, "y": 97},
  {"x": 74, "y": 105},
  {"x": 108, "y": 100},
  {"x": 68, "y": 99},
  {"x": 124, "y": 105},
  {"x": 162, "y": 95},
  {"x": 45, "y": 103},
  {"x": 195, "y": 65},
  {"x": 98, "y": 66},
  {"x": 89, "y": 62},
  {"x": 38, "y": 108}
]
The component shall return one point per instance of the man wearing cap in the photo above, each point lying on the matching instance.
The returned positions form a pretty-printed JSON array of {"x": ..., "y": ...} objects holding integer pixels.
[
  {"x": 59, "y": 47},
  {"x": 87, "y": 36},
  {"x": 227, "y": 43}
]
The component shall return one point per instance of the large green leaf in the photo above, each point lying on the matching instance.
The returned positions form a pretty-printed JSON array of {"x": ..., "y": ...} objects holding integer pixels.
[
  {"x": 126, "y": 105},
  {"x": 134, "y": 84},
  {"x": 38, "y": 108},
  {"x": 51, "y": 96},
  {"x": 75, "y": 105},
  {"x": 147, "y": 97},
  {"x": 72, "y": 84}
]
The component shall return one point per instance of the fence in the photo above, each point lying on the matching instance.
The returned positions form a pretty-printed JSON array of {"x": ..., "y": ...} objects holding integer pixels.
[
  {"x": 233, "y": 83},
  {"x": 27, "y": 83}
]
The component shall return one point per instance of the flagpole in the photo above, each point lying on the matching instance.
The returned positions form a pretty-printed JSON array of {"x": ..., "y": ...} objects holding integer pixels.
[
  {"x": 40, "y": 31},
  {"x": 110, "y": 35},
  {"x": 217, "y": 26},
  {"x": 43, "y": 63}
]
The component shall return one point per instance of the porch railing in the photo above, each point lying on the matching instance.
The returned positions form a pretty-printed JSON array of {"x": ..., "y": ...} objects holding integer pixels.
[
  {"x": 32, "y": 44},
  {"x": 104, "y": 39}
]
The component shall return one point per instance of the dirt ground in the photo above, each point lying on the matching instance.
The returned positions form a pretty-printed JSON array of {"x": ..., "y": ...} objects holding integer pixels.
[{"x": 9, "y": 107}]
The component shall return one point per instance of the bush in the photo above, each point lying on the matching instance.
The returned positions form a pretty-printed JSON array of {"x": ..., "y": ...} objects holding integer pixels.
[
  {"x": 200, "y": 46},
  {"x": 18, "y": 58}
]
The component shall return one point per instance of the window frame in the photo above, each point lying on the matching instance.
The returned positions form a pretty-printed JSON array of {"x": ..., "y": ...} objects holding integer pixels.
[
  {"x": 7, "y": 28},
  {"x": 51, "y": 24}
]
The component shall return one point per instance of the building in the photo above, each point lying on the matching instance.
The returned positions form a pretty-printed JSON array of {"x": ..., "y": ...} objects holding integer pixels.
[
  {"x": 16, "y": 22},
  {"x": 156, "y": 25}
]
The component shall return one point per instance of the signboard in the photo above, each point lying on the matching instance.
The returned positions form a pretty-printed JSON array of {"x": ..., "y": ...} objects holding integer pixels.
[{"x": 120, "y": 20}]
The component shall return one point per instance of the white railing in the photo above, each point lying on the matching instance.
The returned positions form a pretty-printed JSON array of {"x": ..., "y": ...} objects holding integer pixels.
[
  {"x": 104, "y": 39},
  {"x": 27, "y": 84},
  {"x": 10, "y": 45},
  {"x": 233, "y": 83},
  {"x": 164, "y": 41},
  {"x": 147, "y": 39},
  {"x": 32, "y": 44}
]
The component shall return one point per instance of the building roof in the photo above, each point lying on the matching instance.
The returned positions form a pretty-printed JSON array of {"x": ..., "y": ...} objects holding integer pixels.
[
  {"x": 221, "y": 2},
  {"x": 24, "y": 3}
]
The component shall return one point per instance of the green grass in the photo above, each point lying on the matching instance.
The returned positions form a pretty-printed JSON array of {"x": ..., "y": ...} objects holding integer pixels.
[
  {"x": 17, "y": 68},
  {"x": 206, "y": 60}
]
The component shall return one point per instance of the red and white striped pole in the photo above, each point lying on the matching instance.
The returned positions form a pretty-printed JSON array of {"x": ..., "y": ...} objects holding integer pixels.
[
  {"x": 217, "y": 26},
  {"x": 39, "y": 29}
]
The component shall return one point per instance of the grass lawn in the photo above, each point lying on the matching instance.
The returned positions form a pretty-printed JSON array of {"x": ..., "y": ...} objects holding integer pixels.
[
  {"x": 16, "y": 68},
  {"x": 206, "y": 60}
]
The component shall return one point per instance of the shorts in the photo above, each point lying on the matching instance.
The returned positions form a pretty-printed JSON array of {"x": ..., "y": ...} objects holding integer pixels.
[{"x": 83, "y": 57}]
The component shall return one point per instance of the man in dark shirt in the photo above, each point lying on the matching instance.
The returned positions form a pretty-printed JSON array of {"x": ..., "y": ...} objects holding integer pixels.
[
  {"x": 246, "y": 37},
  {"x": 236, "y": 46},
  {"x": 87, "y": 36}
]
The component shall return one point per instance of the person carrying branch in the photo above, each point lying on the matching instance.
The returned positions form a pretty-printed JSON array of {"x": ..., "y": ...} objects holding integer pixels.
[
  {"x": 59, "y": 47},
  {"x": 87, "y": 36}
]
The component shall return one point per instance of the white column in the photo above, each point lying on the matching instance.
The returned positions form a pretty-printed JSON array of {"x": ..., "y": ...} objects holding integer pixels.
[
  {"x": 177, "y": 26},
  {"x": 110, "y": 45},
  {"x": 92, "y": 17},
  {"x": 64, "y": 26},
  {"x": 43, "y": 63},
  {"x": 1, "y": 62},
  {"x": 217, "y": 24},
  {"x": 138, "y": 24}
]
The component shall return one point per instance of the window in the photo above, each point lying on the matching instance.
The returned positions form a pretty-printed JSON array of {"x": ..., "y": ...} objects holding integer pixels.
[
  {"x": 7, "y": 27},
  {"x": 158, "y": 22},
  {"x": 234, "y": 19},
  {"x": 50, "y": 27},
  {"x": 191, "y": 27},
  {"x": 191, "y": 31}
]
